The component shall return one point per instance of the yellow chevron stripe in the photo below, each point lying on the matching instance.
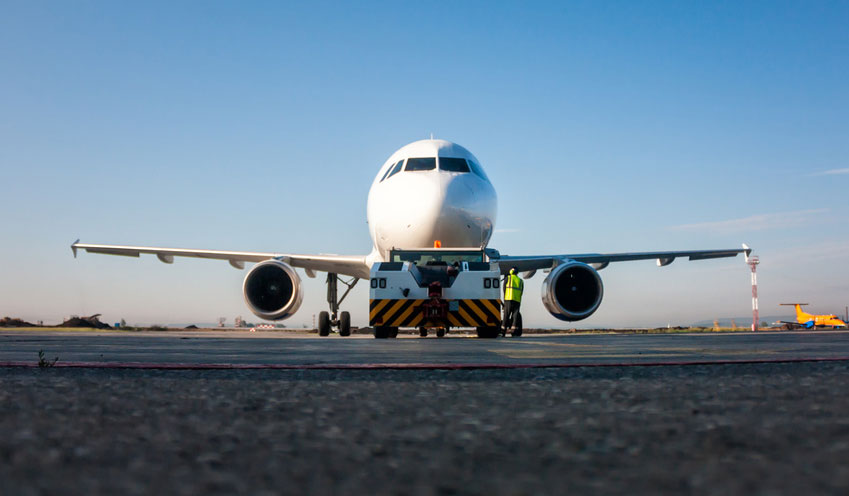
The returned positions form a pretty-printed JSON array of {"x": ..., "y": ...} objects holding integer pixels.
[
  {"x": 401, "y": 318},
  {"x": 481, "y": 312},
  {"x": 377, "y": 309},
  {"x": 416, "y": 320},
  {"x": 473, "y": 304},
  {"x": 468, "y": 318},
  {"x": 394, "y": 308},
  {"x": 492, "y": 310}
]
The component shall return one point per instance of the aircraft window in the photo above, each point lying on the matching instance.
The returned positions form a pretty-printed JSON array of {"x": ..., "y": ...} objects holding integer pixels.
[
  {"x": 421, "y": 164},
  {"x": 453, "y": 164},
  {"x": 394, "y": 169},
  {"x": 476, "y": 168},
  {"x": 388, "y": 170}
]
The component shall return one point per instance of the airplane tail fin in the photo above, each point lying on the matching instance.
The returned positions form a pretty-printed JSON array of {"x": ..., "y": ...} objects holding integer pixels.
[{"x": 800, "y": 315}]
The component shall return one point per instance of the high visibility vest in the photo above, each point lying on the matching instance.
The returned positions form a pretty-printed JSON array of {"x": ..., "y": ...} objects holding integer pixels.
[{"x": 513, "y": 288}]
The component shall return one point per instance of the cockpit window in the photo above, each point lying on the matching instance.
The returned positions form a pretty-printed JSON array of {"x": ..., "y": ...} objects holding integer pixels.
[
  {"x": 386, "y": 174},
  {"x": 449, "y": 164},
  {"x": 477, "y": 169},
  {"x": 394, "y": 170},
  {"x": 421, "y": 164}
]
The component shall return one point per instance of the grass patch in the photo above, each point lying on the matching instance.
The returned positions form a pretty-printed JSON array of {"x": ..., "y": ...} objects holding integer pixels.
[{"x": 44, "y": 363}]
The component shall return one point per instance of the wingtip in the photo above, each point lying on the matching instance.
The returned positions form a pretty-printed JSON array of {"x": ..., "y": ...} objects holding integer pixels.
[
  {"x": 74, "y": 247},
  {"x": 746, "y": 252}
]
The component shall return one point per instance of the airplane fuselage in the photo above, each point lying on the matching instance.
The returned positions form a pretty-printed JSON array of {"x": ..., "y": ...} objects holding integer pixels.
[{"x": 431, "y": 191}]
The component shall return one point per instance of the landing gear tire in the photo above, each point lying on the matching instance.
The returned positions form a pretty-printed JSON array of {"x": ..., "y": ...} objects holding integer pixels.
[
  {"x": 440, "y": 333},
  {"x": 345, "y": 324},
  {"x": 488, "y": 332},
  {"x": 517, "y": 332},
  {"x": 323, "y": 324},
  {"x": 381, "y": 332},
  {"x": 393, "y": 332},
  {"x": 422, "y": 332}
]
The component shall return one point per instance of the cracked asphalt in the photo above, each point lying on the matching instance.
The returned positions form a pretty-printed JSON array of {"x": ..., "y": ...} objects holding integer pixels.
[{"x": 706, "y": 429}]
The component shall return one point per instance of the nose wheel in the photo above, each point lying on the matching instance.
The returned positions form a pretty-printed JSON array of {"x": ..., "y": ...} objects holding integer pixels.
[
  {"x": 326, "y": 324},
  {"x": 329, "y": 320},
  {"x": 323, "y": 324}
]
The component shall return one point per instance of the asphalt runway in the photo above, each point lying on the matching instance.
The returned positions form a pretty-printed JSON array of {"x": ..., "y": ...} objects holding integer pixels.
[{"x": 280, "y": 349}]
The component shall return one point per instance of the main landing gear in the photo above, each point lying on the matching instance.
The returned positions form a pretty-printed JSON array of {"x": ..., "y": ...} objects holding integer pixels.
[{"x": 328, "y": 320}]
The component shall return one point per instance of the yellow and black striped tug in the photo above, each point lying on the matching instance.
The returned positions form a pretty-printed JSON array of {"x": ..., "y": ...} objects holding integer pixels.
[
  {"x": 435, "y": 289},
  {"x": 412, "y": 313}
]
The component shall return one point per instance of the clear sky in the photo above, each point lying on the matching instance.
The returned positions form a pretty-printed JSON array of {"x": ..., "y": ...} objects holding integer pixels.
[{"x": 604, "y": 126}]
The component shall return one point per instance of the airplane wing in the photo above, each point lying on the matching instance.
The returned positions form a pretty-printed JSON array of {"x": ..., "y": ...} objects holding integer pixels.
[
  {"x": 602, "y": 260},
  {"x": 354, "y": 266}
]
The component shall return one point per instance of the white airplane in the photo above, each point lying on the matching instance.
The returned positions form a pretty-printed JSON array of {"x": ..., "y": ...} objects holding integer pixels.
[{"x": 429, "y": 192}]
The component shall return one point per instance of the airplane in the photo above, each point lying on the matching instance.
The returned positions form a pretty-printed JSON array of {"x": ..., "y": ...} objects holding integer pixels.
[
  {"x": 429, "y": 193},
  {"x": 810, "y": 321}
]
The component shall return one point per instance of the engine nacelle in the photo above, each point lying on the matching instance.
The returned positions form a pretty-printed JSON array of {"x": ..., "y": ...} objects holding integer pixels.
[
  {"x": 272, "y": 290},
  {"x": 572, "y": 291}
]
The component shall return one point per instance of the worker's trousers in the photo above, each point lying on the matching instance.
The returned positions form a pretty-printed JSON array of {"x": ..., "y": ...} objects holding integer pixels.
[{"x": 511, "y": 314}]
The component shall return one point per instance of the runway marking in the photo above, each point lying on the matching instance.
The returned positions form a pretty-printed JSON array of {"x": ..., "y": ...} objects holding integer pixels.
[
  {"x": 543, "y": 355},
  {"x": 572, "y": 346},
  {"x": 564, "y": 345},
  {"x": 620, "y": 353},
  {"x": 716, "y": 351}
]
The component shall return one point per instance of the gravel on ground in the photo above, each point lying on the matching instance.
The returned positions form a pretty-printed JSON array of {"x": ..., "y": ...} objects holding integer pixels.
[{"x": 717, "y": 429}]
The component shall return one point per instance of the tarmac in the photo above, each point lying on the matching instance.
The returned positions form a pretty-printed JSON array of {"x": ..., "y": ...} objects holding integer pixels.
[
  {"x": 242, "y": 349},
  {"x": 253, "y": 413}
]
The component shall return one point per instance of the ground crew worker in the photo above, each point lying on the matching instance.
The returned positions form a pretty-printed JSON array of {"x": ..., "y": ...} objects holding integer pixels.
[{"x": 513, "y": 287}]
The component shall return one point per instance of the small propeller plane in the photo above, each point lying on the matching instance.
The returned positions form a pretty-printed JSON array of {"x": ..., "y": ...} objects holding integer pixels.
[{"x": 809, "y": 321}]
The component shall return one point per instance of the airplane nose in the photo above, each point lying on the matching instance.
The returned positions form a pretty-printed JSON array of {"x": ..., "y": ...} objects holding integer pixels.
[
  {"x": 463, "y": 219},
  {"x": 426, "y": 207}
]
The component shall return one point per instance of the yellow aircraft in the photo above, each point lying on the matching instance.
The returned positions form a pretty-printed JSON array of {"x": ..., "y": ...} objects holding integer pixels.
[{"x": 809, "y": 321}]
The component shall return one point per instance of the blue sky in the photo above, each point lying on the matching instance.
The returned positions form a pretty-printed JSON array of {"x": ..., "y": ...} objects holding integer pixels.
[{"x": 604, "y": 126}]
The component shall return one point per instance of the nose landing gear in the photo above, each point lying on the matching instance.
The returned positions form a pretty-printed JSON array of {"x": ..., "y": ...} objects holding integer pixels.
[{"x": 326, "y": 320}]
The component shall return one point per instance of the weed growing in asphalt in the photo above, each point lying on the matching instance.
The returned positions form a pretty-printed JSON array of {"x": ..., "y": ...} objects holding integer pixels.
[{"x": 44, "y": 363}]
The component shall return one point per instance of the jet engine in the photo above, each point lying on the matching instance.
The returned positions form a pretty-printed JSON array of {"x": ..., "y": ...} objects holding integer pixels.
[
  {"x": 572, "y": 291},
  {"x": 272, "y": 290}
]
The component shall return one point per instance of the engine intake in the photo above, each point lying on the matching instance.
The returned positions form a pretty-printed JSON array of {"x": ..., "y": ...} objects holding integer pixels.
[
  {"x": 272, "y": 290},
  {"x": 572, "y": 291}
]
